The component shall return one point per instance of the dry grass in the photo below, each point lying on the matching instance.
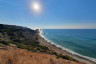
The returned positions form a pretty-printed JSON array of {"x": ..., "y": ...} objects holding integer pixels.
[{"x": 11, "y": 55}]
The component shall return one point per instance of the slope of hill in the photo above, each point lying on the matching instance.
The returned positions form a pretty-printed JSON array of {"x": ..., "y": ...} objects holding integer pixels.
[
  {"x": 13, "y": 39},
  {"x": 12, "y": 55},
  {"x": 16, "y": 33}
]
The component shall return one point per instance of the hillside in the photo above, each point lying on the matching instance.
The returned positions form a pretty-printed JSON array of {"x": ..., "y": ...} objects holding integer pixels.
[
  {"x": 12, "y": 55},
  {"x": 16, "y": 33},
  {"x": 15, "y": 39}
]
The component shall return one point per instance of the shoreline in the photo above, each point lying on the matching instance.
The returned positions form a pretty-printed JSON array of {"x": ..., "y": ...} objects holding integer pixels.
[{"x": 61, "y": 50}]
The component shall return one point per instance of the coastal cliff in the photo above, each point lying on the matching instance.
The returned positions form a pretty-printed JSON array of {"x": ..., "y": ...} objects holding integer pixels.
[{"x": 21, "y": 45}]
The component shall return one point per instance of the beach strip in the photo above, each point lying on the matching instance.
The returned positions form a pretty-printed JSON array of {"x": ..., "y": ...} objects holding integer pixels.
[{"x": 59, "y": 50}]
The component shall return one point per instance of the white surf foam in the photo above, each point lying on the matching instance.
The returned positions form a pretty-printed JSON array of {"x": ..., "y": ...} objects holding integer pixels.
[{"x": 70, "y": 51}]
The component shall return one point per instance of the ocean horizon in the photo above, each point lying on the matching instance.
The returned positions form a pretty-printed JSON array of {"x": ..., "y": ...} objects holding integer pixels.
[{"x": 77, "y": 41}]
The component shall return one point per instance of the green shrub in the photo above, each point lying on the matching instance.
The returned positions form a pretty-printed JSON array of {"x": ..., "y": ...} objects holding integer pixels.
[
  {"x": 43, "y": 47},
  {"x": 5, "y": 43},
  {"x": 54, "y": 53},
  {"x": 66, "y": 57},
  {"x": 29, "y": 42}
]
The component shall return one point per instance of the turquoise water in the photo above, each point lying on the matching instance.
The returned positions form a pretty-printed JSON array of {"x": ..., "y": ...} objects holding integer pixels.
[{"x": 82, "y": 41}]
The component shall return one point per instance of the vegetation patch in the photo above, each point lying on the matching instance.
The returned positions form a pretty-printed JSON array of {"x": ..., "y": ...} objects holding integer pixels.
[
  {"x": 66, "y": 57},
  {"x": 5, "y": 43}
]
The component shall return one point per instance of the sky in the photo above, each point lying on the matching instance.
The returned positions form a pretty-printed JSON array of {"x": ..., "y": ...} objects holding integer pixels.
[{"x": 53, "y": 14}]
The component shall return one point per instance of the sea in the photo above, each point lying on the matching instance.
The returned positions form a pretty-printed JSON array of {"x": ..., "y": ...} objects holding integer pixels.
[{"x": 77, "y": 41}]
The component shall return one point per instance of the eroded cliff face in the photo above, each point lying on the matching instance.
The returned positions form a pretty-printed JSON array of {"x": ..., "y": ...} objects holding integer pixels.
[{"x": 13, "y": 55}]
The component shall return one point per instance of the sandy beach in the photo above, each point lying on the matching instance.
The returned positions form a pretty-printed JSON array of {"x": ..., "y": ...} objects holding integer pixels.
[{"x": 64, "y": 52}]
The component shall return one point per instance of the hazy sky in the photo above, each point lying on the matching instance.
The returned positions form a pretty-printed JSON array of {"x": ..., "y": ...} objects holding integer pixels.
[{"x": 54, "y": 13}]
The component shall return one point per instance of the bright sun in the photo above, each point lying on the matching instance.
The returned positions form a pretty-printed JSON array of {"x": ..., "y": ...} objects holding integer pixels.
[{"x": 36, "y": 7}]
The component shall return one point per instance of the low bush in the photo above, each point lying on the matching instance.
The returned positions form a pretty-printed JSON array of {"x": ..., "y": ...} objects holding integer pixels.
[
  {"x": 5, "y": 43},
  {"x": 43, "y": 47},
  {"x": 54, "y": 53},
  {"x": 66, "y": 57}
]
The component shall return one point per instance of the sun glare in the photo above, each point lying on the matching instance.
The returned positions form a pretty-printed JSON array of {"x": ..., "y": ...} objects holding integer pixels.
[{"x": 36, "y": 7}]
